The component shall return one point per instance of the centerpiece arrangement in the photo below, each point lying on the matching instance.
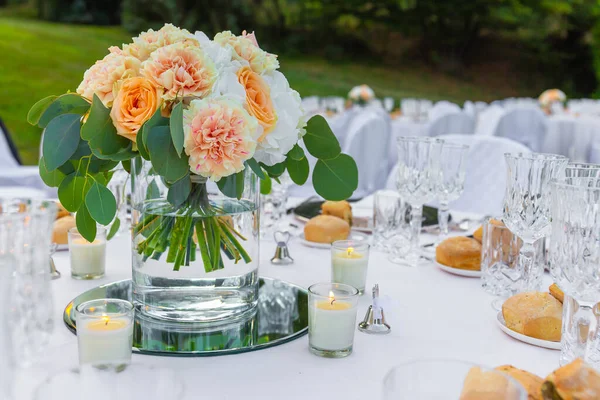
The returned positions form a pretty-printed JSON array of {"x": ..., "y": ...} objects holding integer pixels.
[
  {"x": 197, "y": 123},
  {"x": 361, "y": 95}
]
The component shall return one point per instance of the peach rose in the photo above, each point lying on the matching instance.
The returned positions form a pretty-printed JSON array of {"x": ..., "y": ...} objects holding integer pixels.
[
  {"x": 246, "y": 48},
  {"x": 258, "y": 97},
  {"x": 182, "y": 70},
  {"x": 136, "y": 101},
  {"x": 105, "y": 73},
  {"x": 219, "y": 137},
  {"x": 149, "y": 41}
]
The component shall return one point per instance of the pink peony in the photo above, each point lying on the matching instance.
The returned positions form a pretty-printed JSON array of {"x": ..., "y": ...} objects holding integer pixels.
[
  {"x": 181, "y": 70},
  {"x": 246, "y": 48},
  {"x": 104, "y": 74},
  {"x": 147, "y": 42},
  {"x": 219, "y": 136}
]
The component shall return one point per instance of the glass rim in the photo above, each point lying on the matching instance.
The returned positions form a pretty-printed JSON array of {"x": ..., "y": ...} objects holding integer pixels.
[
  {"x": 346, "y": 243},
  {"x": 129, "y": 307},
  {"x": 455, "y": 145},
  {"x": 535, "y": 156},
  {"x": 415, "y": 139},
  {"x": 562, "y": 184},
  {"x": 582, "y": 165},
  {"x": 354, "y": 291},
  {"x": 488, "y": 220},
  {"x": 99, "y": 229}
]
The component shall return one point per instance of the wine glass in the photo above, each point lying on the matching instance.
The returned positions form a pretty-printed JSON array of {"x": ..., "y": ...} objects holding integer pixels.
[
  {"x": 451, "y": 182},
  {"x": 582, "y": 170},
  {"x": 575, "y": 259},
  {"x": 418, "y": 176},
  {"x": 527, "y": 207}
]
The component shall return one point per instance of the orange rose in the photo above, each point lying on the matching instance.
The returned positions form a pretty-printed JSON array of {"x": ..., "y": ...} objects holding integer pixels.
[
  {"x": 258, "y": 97},
  {"x": 135, "y": 102}
]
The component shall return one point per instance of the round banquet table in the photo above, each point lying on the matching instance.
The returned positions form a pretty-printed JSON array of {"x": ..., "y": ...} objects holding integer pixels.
[{"x": 432, "y": 314}]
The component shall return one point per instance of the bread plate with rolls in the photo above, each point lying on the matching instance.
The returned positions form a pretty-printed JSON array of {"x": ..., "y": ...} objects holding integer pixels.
[
  {"x": 459, "y": 255},
  {"x": 322, "y": 230},
  {"x": 524, "y": 338}
]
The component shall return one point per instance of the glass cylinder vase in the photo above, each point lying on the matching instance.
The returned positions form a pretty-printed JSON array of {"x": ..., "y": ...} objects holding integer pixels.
[{"x": 195, "y": 257}]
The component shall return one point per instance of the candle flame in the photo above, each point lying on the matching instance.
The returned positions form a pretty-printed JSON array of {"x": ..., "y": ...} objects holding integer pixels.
[
  {"x": 331, "y": 297},
  {"x": 106, "y": 319},
  {"x": 350, "y": 250}
]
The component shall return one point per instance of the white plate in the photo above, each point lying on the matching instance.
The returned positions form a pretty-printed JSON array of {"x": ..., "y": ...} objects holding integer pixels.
[
  {"x": 526, "y": 339},
  {"x": 458, "y": 271},
  {"x": 353, "y": 236},
  {"x": 62, "y": 247}
]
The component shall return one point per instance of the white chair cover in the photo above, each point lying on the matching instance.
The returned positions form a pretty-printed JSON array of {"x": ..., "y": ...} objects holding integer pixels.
[
  {"x": 485, "y": 180},
  {"x": 457, "y": 122},
  {"x": 368, "y": 141},
  {"x": 442, "y": 108},
  {"x": 526, "y": 125},
  {"x": 339, "y": 124},
  {"x": 595, "y": 153},
  {"x": 311, "y": 104},
  {"x": 571, "y": 137},
  {"x": 469, "y": 108},
  {"x": 488, "y": 120}
]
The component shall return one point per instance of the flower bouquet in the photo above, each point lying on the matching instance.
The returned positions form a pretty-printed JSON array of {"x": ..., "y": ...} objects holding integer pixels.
[
  {"x": 550, "y": 97},
  {"x": 197, "y": 110},
  {"x": 361, "y": 95}
]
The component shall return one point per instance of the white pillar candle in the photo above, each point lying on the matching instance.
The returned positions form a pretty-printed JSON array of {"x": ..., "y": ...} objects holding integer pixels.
[
  {"x": 88, "y": 260},
  {"x": 331, "y": 325},
  {"x": 105, "y": 340},
  {"x": 349, "y": 263}
]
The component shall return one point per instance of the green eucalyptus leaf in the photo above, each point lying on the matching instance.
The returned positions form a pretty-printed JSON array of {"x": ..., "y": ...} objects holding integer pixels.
[
  {"x": 274, "y": 170},
  {"x": 86, "y": 225},
  {"x": 176, "y": 125},
  {"x": 126, "y": 165},
  {"x": 36, "y": 111},
  {"x": 320, "y": 140},
  {"x": 142, "y": 137},
  {"x": 102, "y": 136},
  {"x": 265, "y": 185},
  {"x": 335, "y": 179},
  {"x": 296, "y": 153},
  {"x": 73, "y": 190},
  {"x": 61, "y": 140},
  {"x": 163, "y": 155},
  {"x": 298, "y": 170},
  {"x": 50, "y": 178},
  {"x": 69, "y": 103},
  {"x": 255, "y": 167},
  {"x": 232, "y": 185},
  {"x": 152, "y": 191},
  {"x": 114, "y": 228},
  {"x": 83, "y": 150},
  {"x": 67, "y": 168},
  {"x": 101, "y": 204},
  {"x": 179, "y": 191}
]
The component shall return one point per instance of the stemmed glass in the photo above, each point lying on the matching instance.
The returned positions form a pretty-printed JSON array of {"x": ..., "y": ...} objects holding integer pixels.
[
  {"x": 418, "y": 176},
  {"x": 582, "y": 170},
  {"x": 575, "y": 260},
  {"x": 527, "y": 206},
  {"x": 451, "y": 182}
]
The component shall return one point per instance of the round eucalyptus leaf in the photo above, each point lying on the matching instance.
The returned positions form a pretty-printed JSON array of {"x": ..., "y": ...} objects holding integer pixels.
[{"x": 335, "y": 179}]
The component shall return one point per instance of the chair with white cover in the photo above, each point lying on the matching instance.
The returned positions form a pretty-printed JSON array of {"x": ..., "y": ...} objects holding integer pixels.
[
  {"x": 442, "y": 108},
  {"x": 456, "y": 122},
  {"x": 368, "y": 141},
  {"x": 311, "y": 104},
  {"x": 488, "y": 120},
  {"x": 469, "y": 108},
  {"x": 594, "y": 156},
  {"x": 485, "y": 178},
  {"x": 526, "y": 125}
]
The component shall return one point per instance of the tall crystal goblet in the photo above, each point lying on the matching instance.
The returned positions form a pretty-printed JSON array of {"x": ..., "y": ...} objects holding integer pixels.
[
  {"x": 582, "y": 170},
  {"x": 418, "y": 176},
  {"x": 527, "y": 206},
  {"x": 575, "y": 261},
  {"x": 451, "y": 182}
]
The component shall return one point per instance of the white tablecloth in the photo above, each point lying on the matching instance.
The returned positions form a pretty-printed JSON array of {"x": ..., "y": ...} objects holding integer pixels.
[{"x": 432, "y": 314}]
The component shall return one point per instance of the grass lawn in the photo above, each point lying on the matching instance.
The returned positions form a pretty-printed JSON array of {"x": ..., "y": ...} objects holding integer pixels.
[{"x": 40, "y": 59}]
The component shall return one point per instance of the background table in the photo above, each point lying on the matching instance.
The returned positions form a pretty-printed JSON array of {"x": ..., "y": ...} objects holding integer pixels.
[{"x": 432, "y": 314}]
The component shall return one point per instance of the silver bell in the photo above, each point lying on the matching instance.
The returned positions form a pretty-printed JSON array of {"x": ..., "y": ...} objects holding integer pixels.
[
  {"x": 374, "y": 321},
  {"x": 282, "y": 254}
]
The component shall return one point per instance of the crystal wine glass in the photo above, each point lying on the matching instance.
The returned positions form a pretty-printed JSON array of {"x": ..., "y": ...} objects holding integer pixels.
[
  {"x": 527, "y": 206},
  {"x": 418, "y": 176},
  {"x": 451, "y": 182},
  {"x": 582, "y": 170},
  {"x": 575, "y": 260}
]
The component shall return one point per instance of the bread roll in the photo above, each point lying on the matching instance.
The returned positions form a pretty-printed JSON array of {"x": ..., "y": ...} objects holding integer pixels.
[
  {"x": 574, "y": 381},
  {"x": 326, "y": 229},
  {"x": 488, "y": 385},
  {"x": 61, "y": 229},
  {"x": 557, "y": 293},
  {"x": 460, "y": 252},
  {"x": 534, "y": 314},
  {"x": 340, "y": 209},
  {"x": 532, "y": 383}
]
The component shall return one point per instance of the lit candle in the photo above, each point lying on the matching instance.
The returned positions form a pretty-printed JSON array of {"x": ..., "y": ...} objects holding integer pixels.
[
  {"x": 349, "y": 263},
  {"x": 105, "y": 332},
  {"x": 332, "y": 319},
  {"x": 88, "y": 260}
]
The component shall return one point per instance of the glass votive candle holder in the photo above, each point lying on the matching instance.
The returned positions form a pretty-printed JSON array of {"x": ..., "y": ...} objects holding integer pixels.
[
  {"x": 349, "y": 263},
  {"x": 88, "y": 260},
  {"x": 104, "y": 332},
  {"x": 331, "y": 319}
]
